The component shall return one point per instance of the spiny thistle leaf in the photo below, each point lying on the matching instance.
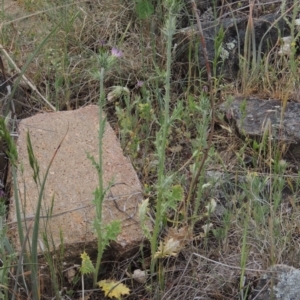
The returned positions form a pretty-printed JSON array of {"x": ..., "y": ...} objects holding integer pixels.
[
  {"x": 32, "y": 159},
  {"x": 173, "y": 195},
  {"x": 113, "y": 229},
  {"x": 144, "y": 9},
  {"x": 113, "y": 288},
  {"x": 144, "y": 218},
  {"x": 86, "y": 264},
  {"x": 177, "y": 193}
]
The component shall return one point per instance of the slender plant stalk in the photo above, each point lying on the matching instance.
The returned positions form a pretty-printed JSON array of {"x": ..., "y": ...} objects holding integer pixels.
[
  {"x": 21, "y": 261},
  {"x": 282, "y": 16},
  {"x": 101, "y": 193},
  {"x": 195, "y": 179},
  {"x": 82, "y": 285},
  {"x": 244, "y": 252},
  {"x": 247, "y": 52},
  {"x": 34, "y": 253},
  {"x": 163, "y": 139}
]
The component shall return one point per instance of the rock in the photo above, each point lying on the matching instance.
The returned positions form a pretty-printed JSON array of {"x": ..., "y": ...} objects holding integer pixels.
[
  {"x": 231, "y": 5},
  {"x": 280, "y": 282},
  {"x": 72, "y": 180},
  {"x": 251, "y": 116},
  {"x": 233, "y": 42}
]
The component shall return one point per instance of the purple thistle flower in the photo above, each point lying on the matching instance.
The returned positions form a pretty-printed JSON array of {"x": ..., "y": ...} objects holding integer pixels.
[
  {"x": 102, "y": 43},
  {"x": 116, "y": 53},
  {"x": 140, "y": 83}
]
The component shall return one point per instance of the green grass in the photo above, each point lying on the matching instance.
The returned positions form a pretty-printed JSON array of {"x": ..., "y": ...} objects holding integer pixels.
[{"x": 196, "y": 248}]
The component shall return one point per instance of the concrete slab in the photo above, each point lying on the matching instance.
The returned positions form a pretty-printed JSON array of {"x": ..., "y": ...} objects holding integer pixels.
[{"x": 72, "y": 180}]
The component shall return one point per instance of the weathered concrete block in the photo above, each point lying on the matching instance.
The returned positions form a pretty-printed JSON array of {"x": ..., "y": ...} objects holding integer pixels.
[{"x": 72, "y": 180}]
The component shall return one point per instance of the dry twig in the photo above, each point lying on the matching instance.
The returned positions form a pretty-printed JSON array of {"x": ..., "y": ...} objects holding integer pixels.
[{"x": 194, "y": 183}]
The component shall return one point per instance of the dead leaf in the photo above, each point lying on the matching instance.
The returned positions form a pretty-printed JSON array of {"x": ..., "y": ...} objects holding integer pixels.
[
  {"x": 183, "y": 234},
  {"x": 211, "y": 206},
  {"x": 206, "y": 228},
  {"x": 167, "y": 248},
  {"x": 117, "y": 92},
  {"x": 70, "y": 274},
  {"x": 227, "y": 128},
  {"x": 175, "y": 149}
]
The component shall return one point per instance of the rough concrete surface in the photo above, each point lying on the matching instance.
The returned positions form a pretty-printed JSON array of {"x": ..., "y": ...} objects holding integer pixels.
[{"x": 72, "y": 180}]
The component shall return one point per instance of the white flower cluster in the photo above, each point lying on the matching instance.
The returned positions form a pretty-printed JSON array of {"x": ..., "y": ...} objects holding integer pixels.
[{"x": 224, "y": 54}]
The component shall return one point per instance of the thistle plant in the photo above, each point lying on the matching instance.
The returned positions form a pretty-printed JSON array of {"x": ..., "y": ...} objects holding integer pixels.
[
  {"x": 108, "y": 232},
  {"x": 166, "y": 197}
]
